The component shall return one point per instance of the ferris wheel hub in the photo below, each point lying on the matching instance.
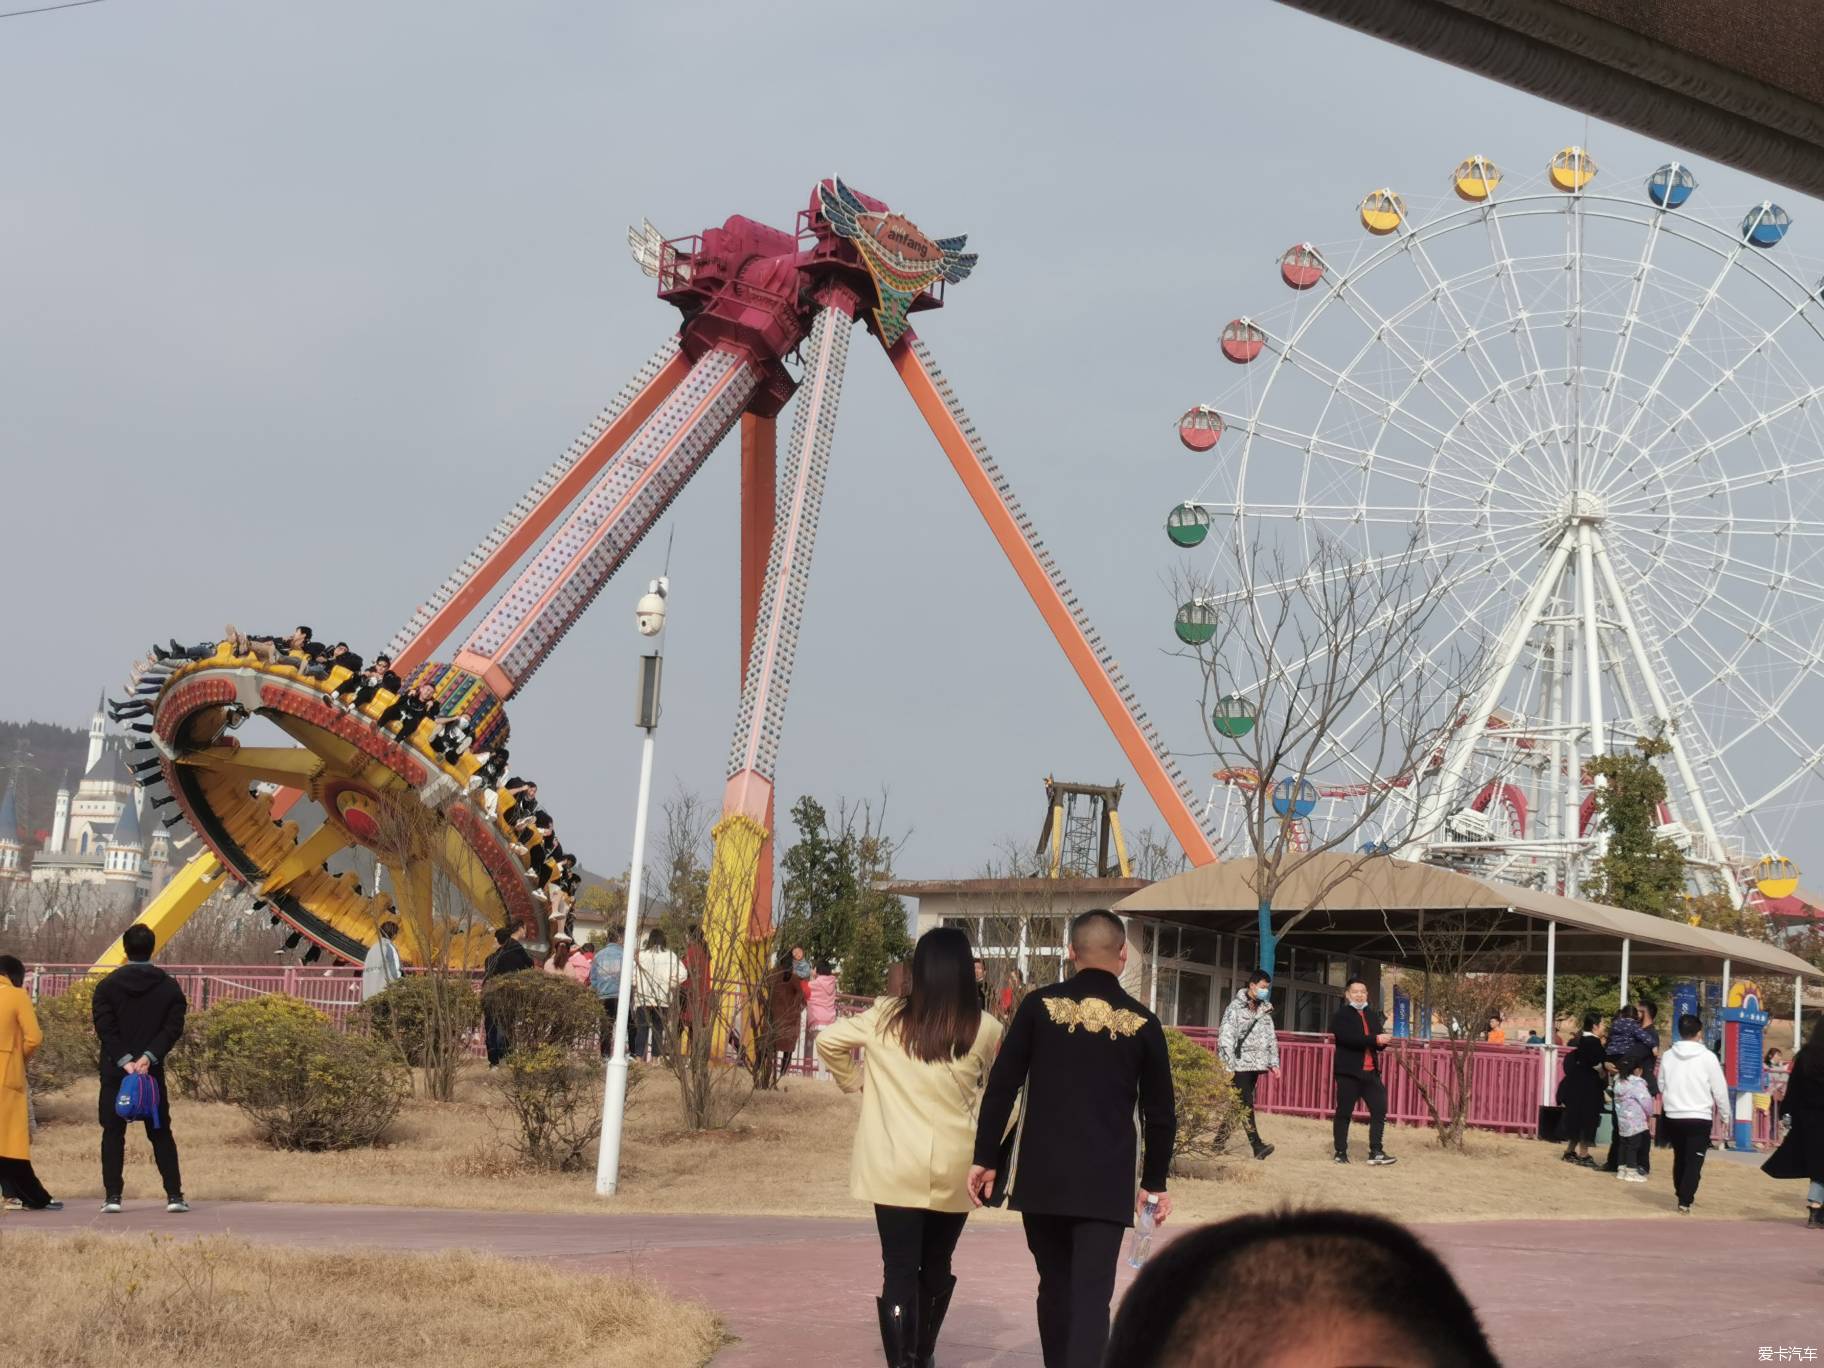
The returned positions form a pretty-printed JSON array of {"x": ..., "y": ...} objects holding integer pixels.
[{"x": 1581, "y": 506}]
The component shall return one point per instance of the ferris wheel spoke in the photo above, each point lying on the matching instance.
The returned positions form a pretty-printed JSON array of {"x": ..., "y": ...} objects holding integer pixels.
[
  {"x": 1431, "y": 552},
  {"x": 1467, "y": 337},
  {"x": 1347, "y": 455},
  {"x": 1723, "y": 484},
  {"x": 1673, "y": 355},
  {"x": 1381, "y": 408},
  {"x": 1629, "y": 325},
  {"x": 1504, "y": 442},
  {"x": 1510, "y": 285}
]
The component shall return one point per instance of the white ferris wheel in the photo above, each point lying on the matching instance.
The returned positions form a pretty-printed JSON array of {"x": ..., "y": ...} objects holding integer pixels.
[{"x": 1600, "y": 412}]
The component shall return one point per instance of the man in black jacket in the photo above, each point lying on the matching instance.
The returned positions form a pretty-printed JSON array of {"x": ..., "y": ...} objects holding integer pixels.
[
  {"x": 1360, "y": 1039},
  {"x": 1086, "y": 1053},
  {"x": 139, "y": 1015}
]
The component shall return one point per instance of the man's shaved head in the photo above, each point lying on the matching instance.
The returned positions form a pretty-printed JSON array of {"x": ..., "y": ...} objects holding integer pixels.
[
  {"x": 1307, "y": 1289},
  {"x": 1097, "y": 939}
]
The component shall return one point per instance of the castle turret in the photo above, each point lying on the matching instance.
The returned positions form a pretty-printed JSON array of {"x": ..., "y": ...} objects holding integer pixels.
[
  {"x": 126, "y": 848},
  {"x": 13, "y": 863},
  {"x": 60, "y": 818},
  {"x": 98, "y": 732}
]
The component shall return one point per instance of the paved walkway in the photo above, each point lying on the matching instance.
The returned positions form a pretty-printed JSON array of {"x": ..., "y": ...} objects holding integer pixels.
[{"x": 799, "y": 1292}]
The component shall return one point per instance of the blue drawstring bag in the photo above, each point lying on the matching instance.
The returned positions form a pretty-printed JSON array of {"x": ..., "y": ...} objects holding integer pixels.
[{"x": 138, "y": 1099}]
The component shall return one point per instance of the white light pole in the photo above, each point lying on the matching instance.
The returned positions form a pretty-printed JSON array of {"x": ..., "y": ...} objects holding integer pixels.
[{"x": 650, "y": 615}]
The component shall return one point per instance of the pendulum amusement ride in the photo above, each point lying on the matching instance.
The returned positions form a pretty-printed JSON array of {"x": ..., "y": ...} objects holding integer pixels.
[
  {"x": 1598, "y": 414},
  {"x": 752, "y": 298}
]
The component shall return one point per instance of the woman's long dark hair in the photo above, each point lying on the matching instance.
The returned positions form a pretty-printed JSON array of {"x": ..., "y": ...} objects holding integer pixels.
[
  {"x": 1809, "y": 1062},
  {"x": 938, "y": 1019}
]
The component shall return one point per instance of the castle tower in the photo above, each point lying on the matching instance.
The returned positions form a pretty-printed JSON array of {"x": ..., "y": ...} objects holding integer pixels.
[
  {"x": 126, "y": 849},
  {"x": 60, "y": 818},
  {"x": 98, "y": 732},
  {"x": 14, "y": 867}
]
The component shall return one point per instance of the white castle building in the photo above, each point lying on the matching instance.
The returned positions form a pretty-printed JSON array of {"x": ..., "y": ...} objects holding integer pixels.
[{"x": 104, "y": 839}]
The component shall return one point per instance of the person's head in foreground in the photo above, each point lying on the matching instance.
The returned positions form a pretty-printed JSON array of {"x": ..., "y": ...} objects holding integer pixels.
[
  {"x": 1098, "y": 941},
  {"x": 1297, "y": 1289},
  {"x": 139, "y": 942}
]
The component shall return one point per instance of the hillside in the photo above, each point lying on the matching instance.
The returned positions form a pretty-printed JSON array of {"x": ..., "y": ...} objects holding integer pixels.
[{"x": 40, "y": 755}]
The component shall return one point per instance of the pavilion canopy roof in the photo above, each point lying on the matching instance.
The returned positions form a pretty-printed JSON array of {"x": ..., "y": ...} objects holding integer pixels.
[
  {"x": 1741, "y": 83},
  {"x": 1376, "y": 911}
]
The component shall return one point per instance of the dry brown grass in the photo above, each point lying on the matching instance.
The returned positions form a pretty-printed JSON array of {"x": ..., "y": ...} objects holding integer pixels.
[
  {"x": 101, "y": 1300},
  {"x": 788, "y": 1154}
]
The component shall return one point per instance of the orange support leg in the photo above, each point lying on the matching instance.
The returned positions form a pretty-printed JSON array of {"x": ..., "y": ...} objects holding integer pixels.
[{"x": 1099, "y": 675}]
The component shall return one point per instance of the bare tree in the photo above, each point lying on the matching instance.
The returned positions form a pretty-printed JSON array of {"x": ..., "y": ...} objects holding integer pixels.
[
  {"x": 1470, "y": 963},
  {"x": 1334, "y": 680}
]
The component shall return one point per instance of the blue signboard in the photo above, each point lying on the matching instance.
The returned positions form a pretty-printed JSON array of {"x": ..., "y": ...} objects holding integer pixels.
[
  {"x": 1402, "y": 1012},
  {"x": 1745, "y": 1031},
  {"x": 1684, "y": 1003}
]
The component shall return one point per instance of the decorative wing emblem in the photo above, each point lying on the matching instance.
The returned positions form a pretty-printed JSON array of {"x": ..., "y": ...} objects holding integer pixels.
[
  {"x": 1094, "y": 1014},
  {"x": 902, "y": 260}
]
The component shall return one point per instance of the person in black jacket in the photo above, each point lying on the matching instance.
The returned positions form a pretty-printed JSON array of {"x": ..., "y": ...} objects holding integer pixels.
[
  {"x": 1085, "y": 1053},
  {"x": 510, "y": 957},
  {"x": 1580, "y": 1092},
  {"x": 139, "y": 1015},
  {"x": 369, "y": 682},
  {"x": 1801, "y": 1153},
  {"x": 1360, "y": 1039}
]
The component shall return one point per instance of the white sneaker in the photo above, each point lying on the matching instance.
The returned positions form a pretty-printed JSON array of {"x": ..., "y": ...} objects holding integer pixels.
[{"x": 1635, "y": 1176}]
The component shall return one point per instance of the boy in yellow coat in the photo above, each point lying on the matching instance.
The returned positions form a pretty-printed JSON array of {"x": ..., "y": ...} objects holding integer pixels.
[{"x": 19, "y": 1039}]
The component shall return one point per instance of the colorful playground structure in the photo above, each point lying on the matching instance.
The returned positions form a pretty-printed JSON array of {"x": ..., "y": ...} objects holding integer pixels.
[{"x": 751, "y": 297}]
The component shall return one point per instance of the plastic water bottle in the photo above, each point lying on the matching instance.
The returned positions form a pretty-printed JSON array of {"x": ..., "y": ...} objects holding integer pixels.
[{"x": 1144, "y": 1226}]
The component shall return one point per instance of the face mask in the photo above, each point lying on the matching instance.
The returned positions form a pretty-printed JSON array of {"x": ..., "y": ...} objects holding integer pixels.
[
  {"x": 1263, "y": 992},
  {"x": 1358, "y": 1002}
]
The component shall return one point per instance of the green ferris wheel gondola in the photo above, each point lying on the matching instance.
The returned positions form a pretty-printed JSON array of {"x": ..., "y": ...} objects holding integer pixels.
[
  {"x": 1196, "y": 622},
  {"x": 1233, "y": 716},
  {"x": 1187, "y": 525}
]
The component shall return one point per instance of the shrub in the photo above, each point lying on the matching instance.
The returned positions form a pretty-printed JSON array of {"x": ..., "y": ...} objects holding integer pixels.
[
  {"x": 533, "y": 1008},
  {"x": 1209, "y": 1106},
  {"x": 427, "y": 1018},
  {"x": 554, "y": 1097},
  {"x": 200, "y": 1067},
  {"x": 71, "y": 1050},
  {"x": 307, "y": 1086}
]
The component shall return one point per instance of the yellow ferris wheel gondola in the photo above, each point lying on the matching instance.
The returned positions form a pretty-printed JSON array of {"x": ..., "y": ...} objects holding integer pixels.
[
  {"x": 1776, "y": 877},
  {"x": 1475, "y": 179},
  {"x": 1572, "y": 169},
  {"x": 1382, "y": 211}
]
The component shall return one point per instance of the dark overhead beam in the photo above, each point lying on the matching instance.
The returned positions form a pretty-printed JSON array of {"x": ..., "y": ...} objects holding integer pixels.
[{"x": 1737, "y": 82}]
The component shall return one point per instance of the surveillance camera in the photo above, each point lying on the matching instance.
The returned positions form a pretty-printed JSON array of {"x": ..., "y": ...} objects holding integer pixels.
[{"x": 649, "y": 612}]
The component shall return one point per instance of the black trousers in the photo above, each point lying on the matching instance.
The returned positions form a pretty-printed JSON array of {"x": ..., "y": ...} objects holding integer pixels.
[
  {"x": 915, "y": 1250},
  {"x": 609, "y": 1007},
  {"x": 1631, "y": 1150},
  {"x": 114, "y": 1140},
  {"x": 1690, "y": 1143},
  {"x": 1369, "y": 1089},
  {"x": 18, "y": 1180},
  {"x": 1245, "y": 1081},
  {"x": 1076, "y": 1258}
]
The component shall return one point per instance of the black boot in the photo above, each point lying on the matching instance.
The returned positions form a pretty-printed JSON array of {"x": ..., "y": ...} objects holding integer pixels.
[
  {"x": 1815, "y": 1219},
  {"x": 898, "y": 1333},
  {"x": 932, "y": 1304}
]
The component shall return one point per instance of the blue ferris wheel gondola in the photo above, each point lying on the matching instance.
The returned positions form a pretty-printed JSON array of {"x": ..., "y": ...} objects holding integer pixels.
[
  {"x": 1765, "y": 224},
  {"x": 1671, "y": 185},
  {"x": 1294, "y": 798}
]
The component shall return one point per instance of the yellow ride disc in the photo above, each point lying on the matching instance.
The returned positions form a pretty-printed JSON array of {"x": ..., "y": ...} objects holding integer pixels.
[{"x": 454, "y": 872}]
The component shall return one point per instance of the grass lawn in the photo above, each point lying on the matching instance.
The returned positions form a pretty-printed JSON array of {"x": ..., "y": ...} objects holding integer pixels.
[
  {"x": 94, "y": 1301},
  {"x": 788, "y": 1154}
]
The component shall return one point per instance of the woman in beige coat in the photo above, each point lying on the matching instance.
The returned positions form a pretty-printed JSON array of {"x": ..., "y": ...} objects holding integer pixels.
[
  {"x": 19, "y": 1039},
  {"x": 926, "y": 1057}
]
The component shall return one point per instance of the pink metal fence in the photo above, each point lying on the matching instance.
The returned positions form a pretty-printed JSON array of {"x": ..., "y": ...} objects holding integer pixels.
[{"x": 1503, "y": 1079}]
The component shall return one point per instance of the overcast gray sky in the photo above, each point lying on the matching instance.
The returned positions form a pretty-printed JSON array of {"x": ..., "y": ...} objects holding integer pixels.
[{"x": 298, "y": 297}]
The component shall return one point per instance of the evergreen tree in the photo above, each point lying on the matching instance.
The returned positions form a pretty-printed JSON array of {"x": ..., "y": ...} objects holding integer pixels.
[{"x": 831, "y": 902}]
